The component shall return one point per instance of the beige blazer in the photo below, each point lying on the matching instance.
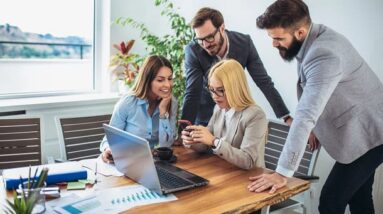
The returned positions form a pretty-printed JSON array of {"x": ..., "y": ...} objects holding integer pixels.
[{"x": 244, "y": 142}]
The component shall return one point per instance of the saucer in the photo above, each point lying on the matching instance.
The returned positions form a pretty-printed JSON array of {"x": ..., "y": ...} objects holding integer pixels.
[{"x": 173, "y": 159}]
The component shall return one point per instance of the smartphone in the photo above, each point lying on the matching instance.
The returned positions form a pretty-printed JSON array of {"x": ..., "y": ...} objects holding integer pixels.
[{"x": 184, "y": 123}]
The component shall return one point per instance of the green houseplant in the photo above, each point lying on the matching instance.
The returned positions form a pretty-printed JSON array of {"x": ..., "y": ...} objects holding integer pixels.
[
  {"x": 170, "y": 45},
  {"x": 29, "y": 195}
]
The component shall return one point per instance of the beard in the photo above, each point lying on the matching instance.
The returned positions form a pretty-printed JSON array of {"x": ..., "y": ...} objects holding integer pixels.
[
  {"x": 289, "y": 53},
  {"x": 213, "y": 50}
]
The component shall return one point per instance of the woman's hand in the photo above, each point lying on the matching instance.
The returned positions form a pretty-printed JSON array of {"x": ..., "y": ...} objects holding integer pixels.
[
  {"x": 106, "y": 156},
  {"x": 201, "y": 134},
  {"x": 164, "y": 105},
  {"x": 186, "y": 138}
]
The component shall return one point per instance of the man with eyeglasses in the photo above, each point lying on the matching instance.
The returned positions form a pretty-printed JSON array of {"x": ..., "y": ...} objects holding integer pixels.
[{"x": 211, "y": 44}]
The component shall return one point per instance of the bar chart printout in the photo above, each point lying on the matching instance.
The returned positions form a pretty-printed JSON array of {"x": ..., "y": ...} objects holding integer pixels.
[{"x": 115, "y": 200}]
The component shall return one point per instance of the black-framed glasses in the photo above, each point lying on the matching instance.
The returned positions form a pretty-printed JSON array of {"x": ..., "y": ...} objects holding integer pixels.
[
  {"x": 220, "y": 92},
  {"x": 209, "y": 38}
]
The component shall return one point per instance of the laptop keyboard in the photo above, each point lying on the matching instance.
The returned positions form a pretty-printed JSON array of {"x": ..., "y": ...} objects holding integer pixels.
[{"x": 170, "y": 181}]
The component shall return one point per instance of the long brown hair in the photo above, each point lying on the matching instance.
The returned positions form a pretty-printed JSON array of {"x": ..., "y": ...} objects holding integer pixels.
[{"x": 147, "y": 73}]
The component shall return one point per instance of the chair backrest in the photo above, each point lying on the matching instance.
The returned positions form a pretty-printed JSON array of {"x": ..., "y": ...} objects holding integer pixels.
[
  {"x": 20, "y": 142},
  {"x": 81, "y": 136},
  {"x": 277, "y": 135}
]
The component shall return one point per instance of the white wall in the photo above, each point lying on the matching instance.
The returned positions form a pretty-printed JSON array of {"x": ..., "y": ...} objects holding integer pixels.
[{"x": 359, "y": 21}]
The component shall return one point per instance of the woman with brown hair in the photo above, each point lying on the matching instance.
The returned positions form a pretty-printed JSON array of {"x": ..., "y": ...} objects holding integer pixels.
[{"x": 149, "y": 110}]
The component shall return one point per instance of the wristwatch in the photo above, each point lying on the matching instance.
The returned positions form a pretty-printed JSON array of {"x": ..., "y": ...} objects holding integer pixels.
[{"x": 165, "y": 115}]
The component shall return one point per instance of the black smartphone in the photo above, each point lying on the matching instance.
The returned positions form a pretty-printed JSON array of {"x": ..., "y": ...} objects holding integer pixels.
[{"x": 184, "y": 123}]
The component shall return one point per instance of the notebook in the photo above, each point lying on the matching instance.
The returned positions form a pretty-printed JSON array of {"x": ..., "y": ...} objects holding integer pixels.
[{"x": 132, "y": 156}]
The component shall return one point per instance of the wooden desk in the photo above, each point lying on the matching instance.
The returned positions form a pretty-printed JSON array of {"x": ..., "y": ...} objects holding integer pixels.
[{"x": 226, "y": 193}]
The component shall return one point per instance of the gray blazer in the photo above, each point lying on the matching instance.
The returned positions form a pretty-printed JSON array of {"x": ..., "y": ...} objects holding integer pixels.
[
  {"x": 244, "y": 143},
  {"x": 198, "y": 105},
  {"x": 340, "y": 97}
]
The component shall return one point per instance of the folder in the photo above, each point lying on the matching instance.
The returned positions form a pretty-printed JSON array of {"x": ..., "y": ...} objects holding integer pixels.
[{"x": 58, "y": 172}]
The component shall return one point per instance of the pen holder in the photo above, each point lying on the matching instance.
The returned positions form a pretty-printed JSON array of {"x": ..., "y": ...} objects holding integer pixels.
[{"x": 35, "y": 195}]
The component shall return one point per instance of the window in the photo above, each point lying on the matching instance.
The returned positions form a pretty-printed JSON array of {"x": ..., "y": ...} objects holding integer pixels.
[{"x": 47, "y": 47}]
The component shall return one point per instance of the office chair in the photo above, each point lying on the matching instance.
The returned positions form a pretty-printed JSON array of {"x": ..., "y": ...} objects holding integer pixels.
[
  {"x": 80, "y": 137},
  {"x": 277, "y": 134},
  {"x": 20, "y": 142}
]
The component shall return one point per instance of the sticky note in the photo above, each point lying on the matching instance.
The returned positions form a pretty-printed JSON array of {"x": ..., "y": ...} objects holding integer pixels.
[
  {"x": 75, "y": 185},
  {"x": 86, "y": 181}
]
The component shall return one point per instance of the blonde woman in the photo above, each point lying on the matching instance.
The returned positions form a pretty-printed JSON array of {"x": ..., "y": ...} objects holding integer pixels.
[{"x": 237, "y": 130}]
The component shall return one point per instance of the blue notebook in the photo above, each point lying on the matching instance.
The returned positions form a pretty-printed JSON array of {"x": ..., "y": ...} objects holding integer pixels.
[{"x": 58, "y": 172}]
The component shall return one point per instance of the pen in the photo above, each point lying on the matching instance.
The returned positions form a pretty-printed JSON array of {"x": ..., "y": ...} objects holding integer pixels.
[{"x": 95, "y": 174}]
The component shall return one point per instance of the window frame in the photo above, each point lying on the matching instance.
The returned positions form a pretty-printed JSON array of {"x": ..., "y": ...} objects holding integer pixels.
[{"x": 100, "y": 59}]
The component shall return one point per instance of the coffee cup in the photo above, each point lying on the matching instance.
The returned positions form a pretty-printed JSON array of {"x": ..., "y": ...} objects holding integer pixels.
[{"x": 163, "y": 153}]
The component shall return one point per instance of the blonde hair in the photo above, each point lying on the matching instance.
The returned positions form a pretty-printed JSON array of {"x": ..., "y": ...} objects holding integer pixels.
[{"x": 232, "y": 76}]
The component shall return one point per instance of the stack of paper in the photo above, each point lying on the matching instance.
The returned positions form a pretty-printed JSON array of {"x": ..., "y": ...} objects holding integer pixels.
[{"x": 103, "y": 168}]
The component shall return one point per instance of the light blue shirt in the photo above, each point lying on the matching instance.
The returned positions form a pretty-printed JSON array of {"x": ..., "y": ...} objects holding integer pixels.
[{"x": 131, "y": 114}]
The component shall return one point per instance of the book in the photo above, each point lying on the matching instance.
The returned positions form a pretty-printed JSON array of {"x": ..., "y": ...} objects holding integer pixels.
[{"x": 58, "y": 172}]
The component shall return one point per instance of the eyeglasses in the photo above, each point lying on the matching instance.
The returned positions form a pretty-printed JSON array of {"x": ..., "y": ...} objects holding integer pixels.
[
  {"x": 209, "y": 38},
  {"x": 220, "y": 92}
]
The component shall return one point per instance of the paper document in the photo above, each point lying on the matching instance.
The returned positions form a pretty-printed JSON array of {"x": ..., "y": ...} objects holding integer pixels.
[
  {"x": 103, "y": 168},
  {"x": 122, "y": 198},
  {"x": 114, "y": 200}
]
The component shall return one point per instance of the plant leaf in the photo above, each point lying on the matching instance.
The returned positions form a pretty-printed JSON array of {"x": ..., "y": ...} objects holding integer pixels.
[{"x": 129, "y": 45}]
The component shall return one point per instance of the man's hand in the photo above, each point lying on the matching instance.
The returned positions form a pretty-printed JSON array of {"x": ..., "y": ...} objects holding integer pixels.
[
  {"x": 265, "y": 181},
  {"x": 289, "y": 121},
  {"x": 313, "y": 142}
]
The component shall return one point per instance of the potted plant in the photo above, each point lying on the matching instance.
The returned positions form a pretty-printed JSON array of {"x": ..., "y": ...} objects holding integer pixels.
[
  {"x": 124, "y": 64},
  {"x": 29, "y": 195},
  {"x": 170, "y": 46}
]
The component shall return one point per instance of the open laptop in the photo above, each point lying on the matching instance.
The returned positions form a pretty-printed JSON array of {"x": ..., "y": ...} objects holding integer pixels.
[{"x": 132, "y": 156}]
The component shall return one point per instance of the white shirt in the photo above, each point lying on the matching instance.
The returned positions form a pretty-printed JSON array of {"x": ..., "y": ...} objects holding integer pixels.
[
  {"x": 228, "y": 115},
  {"x": 227, "y": 50}
]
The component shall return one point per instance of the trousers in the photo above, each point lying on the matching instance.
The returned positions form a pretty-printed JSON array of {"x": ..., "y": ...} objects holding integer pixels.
[{"x": 351, "y": 184}]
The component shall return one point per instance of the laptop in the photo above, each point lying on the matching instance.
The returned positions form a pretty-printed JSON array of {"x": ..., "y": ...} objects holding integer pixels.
[{"x": 132, "y": 156}]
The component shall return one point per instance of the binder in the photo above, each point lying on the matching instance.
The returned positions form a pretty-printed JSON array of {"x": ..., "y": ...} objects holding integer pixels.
[{"x": 58, "y": 172}]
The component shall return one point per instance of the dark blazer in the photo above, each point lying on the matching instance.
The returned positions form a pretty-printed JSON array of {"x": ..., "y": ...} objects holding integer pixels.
[{"x": 198, "y": 105}]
